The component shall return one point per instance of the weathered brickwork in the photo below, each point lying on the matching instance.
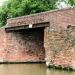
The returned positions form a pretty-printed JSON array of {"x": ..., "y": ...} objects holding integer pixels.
[
  {"x": 63, "y": 49},
  {"x": 54, "y": 43},
  {"x": 2, "y": 44},
  {"x": 61, "y": 18},
  {"x": 22, "y": 46}
]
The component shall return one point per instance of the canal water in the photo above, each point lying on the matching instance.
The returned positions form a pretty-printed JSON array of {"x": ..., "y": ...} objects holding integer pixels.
[{"x": 31, "y": 69}]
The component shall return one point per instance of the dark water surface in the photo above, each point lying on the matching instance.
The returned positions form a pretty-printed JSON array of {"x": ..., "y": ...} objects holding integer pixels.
[{"x": 31, "y": 69}]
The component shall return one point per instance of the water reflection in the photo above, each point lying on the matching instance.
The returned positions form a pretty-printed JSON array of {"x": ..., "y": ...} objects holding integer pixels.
[
  {"x": 23, "y": 69},
  {"x": 31, "y": 69}
]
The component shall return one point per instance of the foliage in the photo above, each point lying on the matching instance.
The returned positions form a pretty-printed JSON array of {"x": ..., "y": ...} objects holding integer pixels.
[
  {"x": 15, "y": 8},
  {"x": 71, "y": 2}
]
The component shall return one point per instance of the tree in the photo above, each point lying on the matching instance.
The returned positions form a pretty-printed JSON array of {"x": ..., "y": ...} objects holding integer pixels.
[{"x": 71, "y": 2}]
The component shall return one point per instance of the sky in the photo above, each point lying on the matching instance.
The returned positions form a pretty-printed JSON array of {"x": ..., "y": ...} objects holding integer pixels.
[
  {"x": 62, "y": 4},
  {"x": 1, "y": 2}
]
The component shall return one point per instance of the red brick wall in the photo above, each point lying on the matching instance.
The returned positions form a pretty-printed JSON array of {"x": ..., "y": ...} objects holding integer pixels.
[
  {"x": 56, "y": 18},
  {"x": 2, "y": 44},
  {"x": 22, "y": 46},
  {"x": 59, "y": 41},
  {"x": 61, "y": 48},
  {"x": 26, "y": 45}
]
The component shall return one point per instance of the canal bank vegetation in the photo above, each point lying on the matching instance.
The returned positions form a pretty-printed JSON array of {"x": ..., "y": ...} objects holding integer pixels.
[
  {"x": 15, "y": 8},
  {"x": 59, "y": 67}
]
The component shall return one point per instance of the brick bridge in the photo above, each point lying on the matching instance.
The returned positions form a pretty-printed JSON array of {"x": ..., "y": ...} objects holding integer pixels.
[{"x": 47, "y": 36}]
